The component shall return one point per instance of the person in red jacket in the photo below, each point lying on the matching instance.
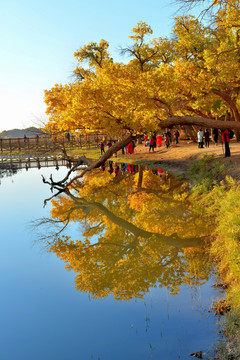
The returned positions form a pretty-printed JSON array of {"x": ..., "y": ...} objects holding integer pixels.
[
  {"x": 152, "y": 144},
  {"x": 159, "y": 140},
  {"x": 130, "y": 148},
  {"x": 226, "y": 141}
]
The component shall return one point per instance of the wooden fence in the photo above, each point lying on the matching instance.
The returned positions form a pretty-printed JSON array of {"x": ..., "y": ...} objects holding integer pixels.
[
  {"x": 27, "y": 162},
  {"x": 49, "y": 144}
]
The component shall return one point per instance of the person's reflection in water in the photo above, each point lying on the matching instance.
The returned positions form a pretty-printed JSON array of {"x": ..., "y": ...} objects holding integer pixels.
[
  {"x": 110, "y": 167},
  {"x": 123, "y": 167},
  {"x": 102, "y": 167}
]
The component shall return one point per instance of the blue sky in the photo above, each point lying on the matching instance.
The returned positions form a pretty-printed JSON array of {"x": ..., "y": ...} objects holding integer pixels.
[{"x": 38, "y": 39}]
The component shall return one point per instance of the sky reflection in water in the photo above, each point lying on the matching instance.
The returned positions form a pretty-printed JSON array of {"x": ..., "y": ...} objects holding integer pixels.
[{"x": 44, "y": 317}]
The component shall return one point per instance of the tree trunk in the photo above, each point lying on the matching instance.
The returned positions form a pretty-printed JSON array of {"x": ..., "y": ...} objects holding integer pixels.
[
  {"x": 237, "y": 134},
  {"x": 190, "y": 133},
  {"x": 172, "y": 240},
  {"x": 195, "y": 129},
  {"x": 233, "y": 108},
  {"x": 63, "y": 184}
]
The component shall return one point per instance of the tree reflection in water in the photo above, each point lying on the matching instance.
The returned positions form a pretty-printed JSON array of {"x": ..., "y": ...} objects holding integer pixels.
[{"x": 140, "y": 230}]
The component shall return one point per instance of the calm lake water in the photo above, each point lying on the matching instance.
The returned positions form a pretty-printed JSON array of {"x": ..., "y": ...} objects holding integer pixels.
[{"x": 134, "y": 291}]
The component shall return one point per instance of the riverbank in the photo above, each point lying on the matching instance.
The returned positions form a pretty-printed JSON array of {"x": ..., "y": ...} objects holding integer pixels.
[{"x": 178, "y": 157}]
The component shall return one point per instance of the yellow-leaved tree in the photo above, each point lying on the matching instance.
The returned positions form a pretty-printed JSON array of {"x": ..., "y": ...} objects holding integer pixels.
[{"x": 192, "y": 77}]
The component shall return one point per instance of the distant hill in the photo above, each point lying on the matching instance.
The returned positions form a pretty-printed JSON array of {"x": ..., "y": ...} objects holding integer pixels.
[{"x": 19, "y": 133}]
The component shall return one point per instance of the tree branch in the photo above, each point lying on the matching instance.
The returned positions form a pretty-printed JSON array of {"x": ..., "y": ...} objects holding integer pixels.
[{"x": 194, "y": 120}]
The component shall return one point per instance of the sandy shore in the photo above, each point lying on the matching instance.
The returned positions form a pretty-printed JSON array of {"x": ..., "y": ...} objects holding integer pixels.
[{"x": 178, "y": 157}]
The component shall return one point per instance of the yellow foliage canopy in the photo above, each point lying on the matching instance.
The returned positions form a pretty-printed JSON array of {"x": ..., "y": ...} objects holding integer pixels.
[{"x": 194, "y": 72}]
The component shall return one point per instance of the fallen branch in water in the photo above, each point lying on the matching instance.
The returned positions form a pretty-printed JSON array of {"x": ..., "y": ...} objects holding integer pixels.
[{"x": 64, "y": 183}]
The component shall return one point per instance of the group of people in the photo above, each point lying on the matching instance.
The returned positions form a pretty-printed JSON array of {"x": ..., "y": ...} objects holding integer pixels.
[
  {"x": 157, "y": 140},
  {"x": 203, "y": 134},
  {"x": 128, "y": 149},
  {"x": 154, "y": 141},
  {"x": 115, "y": 168},
  {"x": 226, "y": 136},
  {"x": 102, "y": 146}
]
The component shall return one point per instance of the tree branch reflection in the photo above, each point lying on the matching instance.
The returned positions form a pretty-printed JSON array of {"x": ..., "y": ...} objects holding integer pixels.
[{"x": 138, "y": 231}]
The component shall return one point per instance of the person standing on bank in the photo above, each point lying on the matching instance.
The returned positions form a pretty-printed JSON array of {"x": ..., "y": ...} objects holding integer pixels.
[
  {"x": 155, "y": 140},
  {"x": 101, "y": 145},
  {"x": 226, "y": 141},
  {"x": 169, "y": 135},
  {"x": 200, "y": 138},
  {"x": 176, "y": 135},
  {"x": 167, "y": 140},
  {"x": 159, "y": 140},
  {"x": 152, "y": 144},
  {"x": 207, "y": 138}
]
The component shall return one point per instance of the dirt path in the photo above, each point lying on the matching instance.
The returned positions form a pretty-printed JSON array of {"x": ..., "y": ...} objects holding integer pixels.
[{"x": 178, "y": 157}]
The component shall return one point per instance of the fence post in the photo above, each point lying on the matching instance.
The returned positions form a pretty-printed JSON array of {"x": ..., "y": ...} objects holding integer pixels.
[{"x": 37, "y": 141}]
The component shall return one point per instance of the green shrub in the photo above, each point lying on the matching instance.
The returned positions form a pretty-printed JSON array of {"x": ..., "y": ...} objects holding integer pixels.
[{"x": 205, "y": 173}]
